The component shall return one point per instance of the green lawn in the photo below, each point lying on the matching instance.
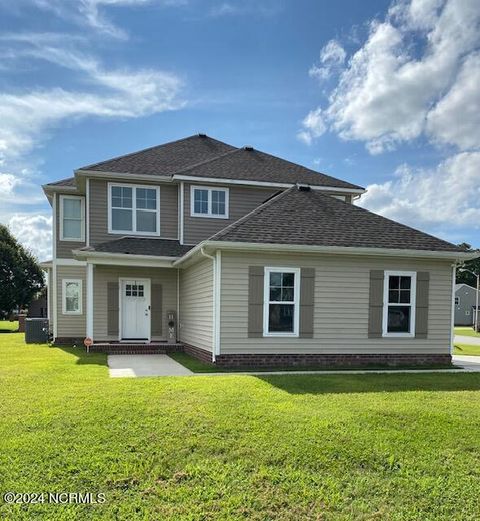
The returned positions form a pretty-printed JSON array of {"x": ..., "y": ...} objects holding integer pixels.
[
  {"x": 466, "y": 331},
  {"x": 228, "y": 447},
  {"x": 466, "y": 349},
  {"x": 7, "y": 326}
]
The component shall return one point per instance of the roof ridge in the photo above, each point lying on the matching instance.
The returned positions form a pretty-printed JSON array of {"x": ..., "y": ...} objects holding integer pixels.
[
  {"x": 87, "y": 167},
  {"x": 201, "y": 163},
  {"x": 273, "y": 199},
  {"x": 303, "y": 166}
]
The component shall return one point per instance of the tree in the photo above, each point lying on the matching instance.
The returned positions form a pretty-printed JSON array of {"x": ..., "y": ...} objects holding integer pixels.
[
  {"x": 464, "y": 277},
  {"x": 21, "y": 278}
]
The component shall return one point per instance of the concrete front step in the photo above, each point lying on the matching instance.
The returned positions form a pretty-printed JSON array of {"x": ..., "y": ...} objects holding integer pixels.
[{"x": 117, "y": 348}]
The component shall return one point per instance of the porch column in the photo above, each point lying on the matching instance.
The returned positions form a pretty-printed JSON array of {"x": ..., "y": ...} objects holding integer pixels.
[{"x": 90, "y": 300}]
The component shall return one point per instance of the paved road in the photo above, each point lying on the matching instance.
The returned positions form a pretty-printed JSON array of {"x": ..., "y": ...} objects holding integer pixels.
[{"x": 471, "y": 340}]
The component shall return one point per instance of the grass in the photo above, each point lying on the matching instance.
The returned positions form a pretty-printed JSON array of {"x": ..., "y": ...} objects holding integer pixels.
[
  {"x": 466, "y": 331},
  {"x": 233, "y": 447},
  {"x": 466, "y": 349},
  {"x": 8, "y": 327}
]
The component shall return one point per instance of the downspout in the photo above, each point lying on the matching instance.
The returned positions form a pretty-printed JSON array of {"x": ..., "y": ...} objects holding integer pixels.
[
  {"x": 452, "y": 332},
  {"x": 214, "y": 314}
]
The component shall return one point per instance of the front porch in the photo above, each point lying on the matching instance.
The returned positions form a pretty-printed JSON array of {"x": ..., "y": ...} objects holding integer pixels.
[{"x": 135, "y": 348}]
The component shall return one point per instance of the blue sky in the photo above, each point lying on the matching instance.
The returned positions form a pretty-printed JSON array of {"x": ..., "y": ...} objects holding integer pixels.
[{"x": 384, "y": 94}]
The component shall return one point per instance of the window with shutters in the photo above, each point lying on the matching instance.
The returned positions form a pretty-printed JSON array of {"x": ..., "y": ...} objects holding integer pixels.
[
  {"x": 399, "y": 303},
  {"x": 281, "y": 302}
]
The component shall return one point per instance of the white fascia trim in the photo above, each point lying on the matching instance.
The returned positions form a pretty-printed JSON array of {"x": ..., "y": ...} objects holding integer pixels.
[
  {"x": 338, "y": 250},
  {"x": 124, "y": 259},
  {"x": 46, "y": 265},
  {"x": 69, "y": 262},
  {"x": 214, "y": 180},
  {"x": 49, "y": 189},
  {"x": 135, "y": 177}
]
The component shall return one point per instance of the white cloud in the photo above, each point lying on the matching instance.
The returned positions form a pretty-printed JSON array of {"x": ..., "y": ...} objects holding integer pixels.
[
  {"x": 456, "y": 117},
  {"x": 409, "y": 72},
  {"x": 313, "y": 126},
  {"x": 332, "y": 56},
  {"x": 447, "y": 196},
  {"x": 34, "y": 232},
  {"x": 28, "y": 116}
]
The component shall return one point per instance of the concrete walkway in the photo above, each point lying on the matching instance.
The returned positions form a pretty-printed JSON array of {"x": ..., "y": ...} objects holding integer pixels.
[
  {"x": 132, "y": 366},
  {"x": 471, "y": 340},
  {"x": 468, "y": 363}
]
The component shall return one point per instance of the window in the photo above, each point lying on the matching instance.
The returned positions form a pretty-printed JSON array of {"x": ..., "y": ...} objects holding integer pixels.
[
  {"x": 134, "y": 209},
  {"x": 457, "y": 301},
  {"x": 134, "y": 290},
  {"x": 399, "y": 303},
  {"x": 209, "y": 202},
  {"x": 281, "y": 298},
  {"x": 72, "y": 218},
  {"x": 72, "y": 297}
]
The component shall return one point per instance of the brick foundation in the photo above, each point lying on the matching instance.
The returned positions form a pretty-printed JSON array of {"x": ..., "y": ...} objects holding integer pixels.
[
  {"x": 306, "y": 361},
  {"x": 197, "y": 352}
]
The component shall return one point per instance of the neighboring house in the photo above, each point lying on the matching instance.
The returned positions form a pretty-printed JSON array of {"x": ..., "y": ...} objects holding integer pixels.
[
  {"x": 244, "y": 259},
  {"x": 465, "y": 301},
  {"x": 38, "y": 306}
]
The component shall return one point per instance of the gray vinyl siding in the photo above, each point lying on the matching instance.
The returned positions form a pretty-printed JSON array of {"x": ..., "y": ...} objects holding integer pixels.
[
  {"x": 242, "y": 201},
  {"x": 99, "y": 210},
  {"x": 64, "y": 248},
  {"x": 341, "y": 305},
  {"x": 465, "y": 311},
  {"x": 196, "y": 305},
  {"x": 102, "y": 275},
  {"x": 71, "y": 325}
]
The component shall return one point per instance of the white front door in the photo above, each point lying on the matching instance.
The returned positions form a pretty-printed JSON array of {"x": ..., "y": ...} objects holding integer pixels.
[{"x": 135, "y": 309}]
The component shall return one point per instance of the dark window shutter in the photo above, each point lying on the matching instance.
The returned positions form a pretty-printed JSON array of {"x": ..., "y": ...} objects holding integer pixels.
[
  {"x": 255, "y": 301},
  {"x": 156, "y": 313},
  {"x": 307, "y": 296},
  {"x": 421, "y": 313},
  {"x": 112, "y": 309},
  {"x": 375, "y": 306}
]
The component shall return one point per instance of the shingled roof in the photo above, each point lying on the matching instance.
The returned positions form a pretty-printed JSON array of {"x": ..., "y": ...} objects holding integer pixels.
[
  {"x": 308, "y": 217},
  {"x": 203, "y": 156},
  {"x": 141, "y": 246},
  {"x": 165, "y": 159}
]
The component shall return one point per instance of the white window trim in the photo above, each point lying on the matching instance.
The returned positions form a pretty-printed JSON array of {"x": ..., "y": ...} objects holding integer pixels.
[
  {"x": 209, "y": 189},
  {"x": 134, "y": 210},
  {"x": 413, "y": 303},
  {"x": 266, "y": 301},
  {"x": 82, "y": 211},
  {"x": 64, "y": 296}
]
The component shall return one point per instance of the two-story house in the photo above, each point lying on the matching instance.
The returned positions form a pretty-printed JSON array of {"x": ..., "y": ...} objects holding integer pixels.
[{"x": 241, "y": 258}]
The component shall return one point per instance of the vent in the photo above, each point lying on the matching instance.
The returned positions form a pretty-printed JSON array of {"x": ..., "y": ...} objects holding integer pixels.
[
  {"x": 248, "y": 147},
  {"x": 303, "y": 188},
  {"x": 201, "y": 134}
]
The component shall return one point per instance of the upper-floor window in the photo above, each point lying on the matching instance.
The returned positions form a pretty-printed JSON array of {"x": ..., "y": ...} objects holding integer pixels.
[
  {"x": 399, "y": 303},
  {"x": 209, "y": 202},
  {"x": 134, "y": 209},
  {"x": 281, "y": 301},
  {"x": 72, "y": 218}
]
